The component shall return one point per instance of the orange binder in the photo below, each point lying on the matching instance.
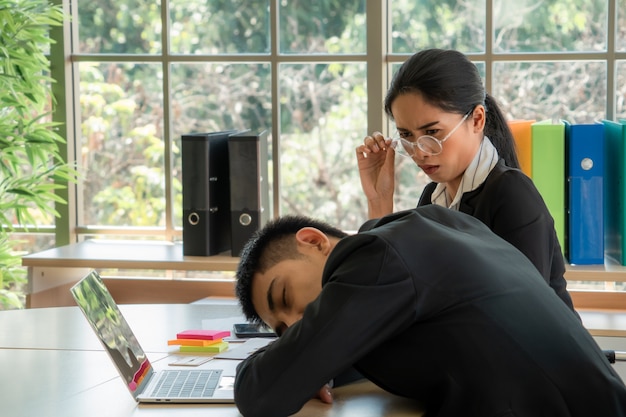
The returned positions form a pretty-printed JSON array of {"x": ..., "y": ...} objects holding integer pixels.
[{"x": 522, "y": 133}]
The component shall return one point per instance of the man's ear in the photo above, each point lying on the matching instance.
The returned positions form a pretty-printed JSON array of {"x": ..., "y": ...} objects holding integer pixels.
[
  {"x": 478, "y": 118},
  {"x": 312, "y": 238}
]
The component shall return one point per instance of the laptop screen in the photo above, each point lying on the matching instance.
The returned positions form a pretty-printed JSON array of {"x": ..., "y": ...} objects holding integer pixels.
[{"x": 101, "y": 311}]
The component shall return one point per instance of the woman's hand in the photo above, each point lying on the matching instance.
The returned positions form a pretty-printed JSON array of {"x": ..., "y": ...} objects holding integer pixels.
[{"x": 376, "y": 169}]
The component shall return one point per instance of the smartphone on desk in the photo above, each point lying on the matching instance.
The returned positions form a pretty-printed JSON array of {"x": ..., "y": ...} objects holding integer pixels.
[{"x": 246, "y": 330}]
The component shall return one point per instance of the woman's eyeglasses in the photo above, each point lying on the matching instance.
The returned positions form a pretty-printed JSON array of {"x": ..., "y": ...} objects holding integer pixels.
[{"x": 426, "y": 143}]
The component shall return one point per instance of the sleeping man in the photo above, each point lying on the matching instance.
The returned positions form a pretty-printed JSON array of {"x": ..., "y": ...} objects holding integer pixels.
[{"x": 428, "y": 304}]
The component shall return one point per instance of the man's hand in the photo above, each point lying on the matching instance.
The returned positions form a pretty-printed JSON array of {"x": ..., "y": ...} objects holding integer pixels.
[{"x": 325, "y": 395}]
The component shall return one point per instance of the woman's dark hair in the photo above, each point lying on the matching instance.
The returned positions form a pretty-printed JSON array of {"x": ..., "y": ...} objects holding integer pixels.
[
  {"x": 274, "y": 243},
  {"x": 449, "y": 80}
]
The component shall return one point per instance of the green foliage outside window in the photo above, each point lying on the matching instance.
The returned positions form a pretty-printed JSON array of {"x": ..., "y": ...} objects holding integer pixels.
[
  {"x": 123, "y": 109},
  {"x": 322, "y": 105}
]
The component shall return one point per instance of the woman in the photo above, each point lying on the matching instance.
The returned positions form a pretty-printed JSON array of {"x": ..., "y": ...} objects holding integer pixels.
[{"x": 456, "y": 133}]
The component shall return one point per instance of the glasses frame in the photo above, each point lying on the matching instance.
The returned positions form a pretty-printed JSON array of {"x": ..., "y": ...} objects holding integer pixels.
[{"x": 419, "y": 142}]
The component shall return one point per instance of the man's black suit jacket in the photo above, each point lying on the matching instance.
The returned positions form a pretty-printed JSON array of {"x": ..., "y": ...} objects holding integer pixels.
[{"x": 431, "y": 305}]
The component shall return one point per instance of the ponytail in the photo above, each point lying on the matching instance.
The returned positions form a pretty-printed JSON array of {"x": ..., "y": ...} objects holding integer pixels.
[{"x": 498, "y": 131}]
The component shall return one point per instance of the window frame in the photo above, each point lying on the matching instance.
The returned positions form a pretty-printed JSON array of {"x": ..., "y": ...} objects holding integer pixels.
[{"x": 378, "y": 59}]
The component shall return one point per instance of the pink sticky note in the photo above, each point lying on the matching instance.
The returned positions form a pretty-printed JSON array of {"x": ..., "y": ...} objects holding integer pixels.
[{"x": 203, "y": 334}]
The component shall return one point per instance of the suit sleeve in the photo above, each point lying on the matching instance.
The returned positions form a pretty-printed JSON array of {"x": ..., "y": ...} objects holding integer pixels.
[{"x": 358, "y": 307}]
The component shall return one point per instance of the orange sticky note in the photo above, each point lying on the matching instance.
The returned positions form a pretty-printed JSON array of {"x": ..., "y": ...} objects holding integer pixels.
[{"x": 193, "y": 342}]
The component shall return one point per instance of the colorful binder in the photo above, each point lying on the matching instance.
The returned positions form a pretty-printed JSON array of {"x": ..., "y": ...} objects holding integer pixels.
[
  {"x": 615, "y": 190},
  {"x": 548, "y": 169},
  {"x": 521, "y": 130},
  {"x": 584, "y": 144}
]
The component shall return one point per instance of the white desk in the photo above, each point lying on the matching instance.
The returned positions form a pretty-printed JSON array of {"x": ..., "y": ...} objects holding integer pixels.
[
  {"x": 52, "y": 365},
  {"x": 358, "y": 400},
  {"x": 65, "y": 328}
]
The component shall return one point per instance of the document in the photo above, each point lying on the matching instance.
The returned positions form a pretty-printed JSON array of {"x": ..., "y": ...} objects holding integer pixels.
[{"x": 246, "y": 349}]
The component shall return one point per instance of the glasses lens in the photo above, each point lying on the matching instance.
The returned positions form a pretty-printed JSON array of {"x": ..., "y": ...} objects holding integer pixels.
[
  {"x": 429, "y": 145},
  {"x": 402, "y": 147}
]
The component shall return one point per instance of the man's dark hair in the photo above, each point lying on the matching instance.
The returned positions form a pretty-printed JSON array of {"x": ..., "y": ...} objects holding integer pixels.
[{"x": 274, "y": 243}]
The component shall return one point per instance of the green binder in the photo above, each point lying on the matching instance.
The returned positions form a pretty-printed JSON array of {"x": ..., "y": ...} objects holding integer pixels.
[{"x": 548, "y": 169}]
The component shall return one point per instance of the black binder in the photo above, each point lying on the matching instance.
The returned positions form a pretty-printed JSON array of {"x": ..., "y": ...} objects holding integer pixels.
[
  {"x": 249, "y": 188},
  {"x": 206, "y": 193}
]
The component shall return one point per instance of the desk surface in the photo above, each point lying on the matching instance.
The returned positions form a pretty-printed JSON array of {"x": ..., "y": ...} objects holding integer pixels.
[
  {"x": 65, "y": 328},
  {"x": 53, "y": 365}
]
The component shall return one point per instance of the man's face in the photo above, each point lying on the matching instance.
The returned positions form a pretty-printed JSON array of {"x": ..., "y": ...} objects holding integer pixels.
[{"x": 281, "y": 293}]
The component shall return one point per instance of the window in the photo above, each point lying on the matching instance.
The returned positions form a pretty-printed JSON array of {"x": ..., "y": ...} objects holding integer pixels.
[
  {"x": 139, "y": 74},
  {"x": 150, "y": 73}
]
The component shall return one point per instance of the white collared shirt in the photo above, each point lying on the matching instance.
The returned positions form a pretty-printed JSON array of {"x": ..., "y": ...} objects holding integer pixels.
[{"x": 476, "y": 173}]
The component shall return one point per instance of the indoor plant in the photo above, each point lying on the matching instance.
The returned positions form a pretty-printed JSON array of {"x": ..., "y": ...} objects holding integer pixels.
[{"x": 30, "y": 159}]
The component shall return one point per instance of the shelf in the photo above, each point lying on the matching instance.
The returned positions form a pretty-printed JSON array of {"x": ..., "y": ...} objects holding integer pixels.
[
  {"x": 607, "y": 272},
  {"x": 129, "y": 255},
  {"x": 52, "y": 271}
]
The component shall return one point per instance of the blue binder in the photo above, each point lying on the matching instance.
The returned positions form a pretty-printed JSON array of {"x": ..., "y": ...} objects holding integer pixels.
[{"x": 584, "y": 145}]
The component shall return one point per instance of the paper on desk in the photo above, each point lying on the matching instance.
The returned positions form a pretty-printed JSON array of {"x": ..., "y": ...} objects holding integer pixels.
[{"x": 245, "y": 349}]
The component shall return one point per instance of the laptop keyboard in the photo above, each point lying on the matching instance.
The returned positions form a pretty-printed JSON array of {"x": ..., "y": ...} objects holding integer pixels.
[{"x": 186, "y": 384}]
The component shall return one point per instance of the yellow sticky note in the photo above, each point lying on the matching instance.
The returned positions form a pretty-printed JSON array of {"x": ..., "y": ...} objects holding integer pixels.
[{"x": 216, "y": 348}]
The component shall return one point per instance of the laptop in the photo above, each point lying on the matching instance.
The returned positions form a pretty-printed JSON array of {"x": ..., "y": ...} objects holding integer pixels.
[{"x": 144, "y": 383}]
